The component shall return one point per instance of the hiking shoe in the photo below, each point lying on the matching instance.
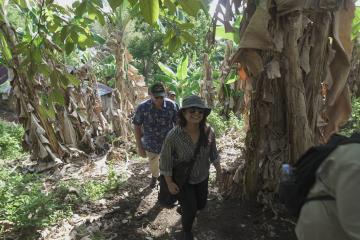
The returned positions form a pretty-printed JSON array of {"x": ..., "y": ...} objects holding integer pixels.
[
  {"x": 188, "y": 236},
  {"x": 153, "y": 182}
]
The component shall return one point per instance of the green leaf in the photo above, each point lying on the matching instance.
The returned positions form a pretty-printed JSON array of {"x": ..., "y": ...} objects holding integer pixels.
[
  {"x": 167, "y": 70},
  {"x": 54, "y": 79},
  {"x": 171, "y": 6},
  {"x": 44, "y": 69},
  {"x": 72, "y": 79},
  {"x": 69, "y": 46},
  {"x": 115, "y": 3},
  {"x": 174, "y": 44},
  {"x": 81, "y": 8},
  {"x": 5, "y": 50},
  {"x": 36, "y": 55},
  {"x": 220, "y": 33},
  {"x": 95, "y": 13},
  {"x": 185, "y": 26},
  {"x": 98, "y": 3},
  {"x": 97, "y": 38},
  {"x": 64, "y": 33},
  {"x": 133, "y": 2},
  {"x": 188, "y": 37},
  {"x": 23, "y": 3},
  {"x": 168, "y": 36},
  {"x": 56, "y": 96},
  {"x": 150, "y": 10},
  {"x": 182, "y": 69},
  {"x": 82, "y": 38},
  {"x": 63, "y": 80},
  {"x": 231, "y": 80},
  {"x": 191, "y": 7},
  {"x": 48, "y": 112}
]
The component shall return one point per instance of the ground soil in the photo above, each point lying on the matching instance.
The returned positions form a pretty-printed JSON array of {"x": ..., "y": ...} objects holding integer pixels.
[{"x": 133, "y": 213}]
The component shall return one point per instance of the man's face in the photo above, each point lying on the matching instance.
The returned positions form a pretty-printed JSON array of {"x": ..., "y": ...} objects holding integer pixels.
[
  {"x": 172, "y": 97},
  {"x": 158, "y": 101}
]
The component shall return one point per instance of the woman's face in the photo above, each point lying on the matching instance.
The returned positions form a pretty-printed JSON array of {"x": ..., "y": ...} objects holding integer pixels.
[{"x": 194, "y": 115}]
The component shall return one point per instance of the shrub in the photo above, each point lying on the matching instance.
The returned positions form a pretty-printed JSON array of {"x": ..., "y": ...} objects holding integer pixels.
[
  {"x": 24, "y": 203},
  {"x": 10, "y": 140},
  {"x": 221, "y": 125}
]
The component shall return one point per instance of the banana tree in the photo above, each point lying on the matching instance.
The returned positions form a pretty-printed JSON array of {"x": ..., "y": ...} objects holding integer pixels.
[
  {"x": 41, "y": 80},
  {"x": 180, "y": 82}
]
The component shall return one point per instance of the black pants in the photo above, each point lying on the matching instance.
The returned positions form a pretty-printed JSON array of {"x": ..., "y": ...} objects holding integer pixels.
[{"x": 192, "y": 198}]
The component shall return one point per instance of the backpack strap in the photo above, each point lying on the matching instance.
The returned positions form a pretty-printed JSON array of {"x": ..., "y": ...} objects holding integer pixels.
[
  {"x": 196, "y": 152},
  {"x": 320, "y": 198}
]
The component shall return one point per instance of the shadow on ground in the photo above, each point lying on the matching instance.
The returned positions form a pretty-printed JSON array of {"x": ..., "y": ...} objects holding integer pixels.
[{"x": 135, "y": 214}]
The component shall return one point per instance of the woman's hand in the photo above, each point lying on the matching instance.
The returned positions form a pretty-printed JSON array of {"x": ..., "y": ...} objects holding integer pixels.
[{"x": 173, "y": 188}]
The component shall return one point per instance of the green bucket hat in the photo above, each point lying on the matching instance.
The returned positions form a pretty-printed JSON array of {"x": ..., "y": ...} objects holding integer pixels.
[{"x": 194, "y": 101}]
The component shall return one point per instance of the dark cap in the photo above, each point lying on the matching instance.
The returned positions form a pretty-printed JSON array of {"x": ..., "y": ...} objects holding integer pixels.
[
  {"x": 157, "y": 89},
  {"x": 194, "y": 101}
]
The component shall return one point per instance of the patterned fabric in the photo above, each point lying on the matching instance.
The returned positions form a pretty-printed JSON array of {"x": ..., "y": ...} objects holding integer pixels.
[
  {"x": 178, "y": 147},
  {"x": 156, "y": 123}
]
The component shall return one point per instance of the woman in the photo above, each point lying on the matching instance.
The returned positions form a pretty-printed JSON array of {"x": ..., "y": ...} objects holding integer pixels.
[{"x": 179, "y": 147}]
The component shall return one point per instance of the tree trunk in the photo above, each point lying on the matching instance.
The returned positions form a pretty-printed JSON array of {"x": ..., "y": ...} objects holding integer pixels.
[
  {"x": 206, "y": 87},
  {"x": 287, "y": 56},
  {"x": 124, "y": 98},
  {"x": 40, "y": 135}
]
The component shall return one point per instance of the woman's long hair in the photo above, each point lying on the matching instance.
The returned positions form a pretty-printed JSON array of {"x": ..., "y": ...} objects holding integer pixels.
[{"x": 203, "y": 139}]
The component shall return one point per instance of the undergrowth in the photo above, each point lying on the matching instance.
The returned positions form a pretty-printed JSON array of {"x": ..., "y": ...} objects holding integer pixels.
[
  {"x": 11, "y": 135},
  {"x": 28, "y": 206},
  {"x": 222, "y": 125}
]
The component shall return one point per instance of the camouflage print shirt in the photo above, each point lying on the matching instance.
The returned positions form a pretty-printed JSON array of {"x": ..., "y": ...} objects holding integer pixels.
[{"x": 156, "y": 123}]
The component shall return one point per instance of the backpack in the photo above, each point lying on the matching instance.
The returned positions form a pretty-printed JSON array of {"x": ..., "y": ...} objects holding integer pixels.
[{"x": 293, "y": 192}]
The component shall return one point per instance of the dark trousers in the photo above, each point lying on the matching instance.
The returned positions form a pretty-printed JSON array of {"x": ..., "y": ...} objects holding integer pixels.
[{"x": 192, "y": 198}]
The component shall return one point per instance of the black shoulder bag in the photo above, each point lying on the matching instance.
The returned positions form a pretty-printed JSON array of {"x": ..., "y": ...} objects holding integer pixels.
[
  {"x": 181, "y": 174},
  {"x": 182, "y": 171}
]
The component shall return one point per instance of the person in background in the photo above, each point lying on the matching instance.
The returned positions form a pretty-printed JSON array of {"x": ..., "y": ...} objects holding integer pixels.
[
  {"x": 152, "y": 120},
  {"x": 172, "y": 95},
  {"x": 181, "y": 142},
  {"x": 339, "y": 177}
]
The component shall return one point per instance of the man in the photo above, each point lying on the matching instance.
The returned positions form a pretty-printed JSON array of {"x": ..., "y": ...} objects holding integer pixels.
[
  {"x": 338, "y": 219},
  {"x": 153, "y": 119}
]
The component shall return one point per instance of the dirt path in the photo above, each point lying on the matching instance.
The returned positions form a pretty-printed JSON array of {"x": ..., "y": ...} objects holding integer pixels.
[{"x": 133, "y": 213}]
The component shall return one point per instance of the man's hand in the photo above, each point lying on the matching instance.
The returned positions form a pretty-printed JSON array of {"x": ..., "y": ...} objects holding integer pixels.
[
  {"x": 138, "y": 134},
  {"x": 141, "y": 151},
  {"x": 173, "y": 188}
]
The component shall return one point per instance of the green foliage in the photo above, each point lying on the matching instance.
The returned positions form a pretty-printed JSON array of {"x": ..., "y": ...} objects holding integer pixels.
[
  {"x": 150, "y": 10},
  {"x": 217, "y": 122},
  {"x": 179, "y": 81},
  {"x": 356, "y": 24},
  {"x": 353, "y": 124},
  {"x": 46, "y": 33},
  {"x": 10, "y": 141},
  {"x": 24, "y": 203},
  {"x": 222, "y": 124}
]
